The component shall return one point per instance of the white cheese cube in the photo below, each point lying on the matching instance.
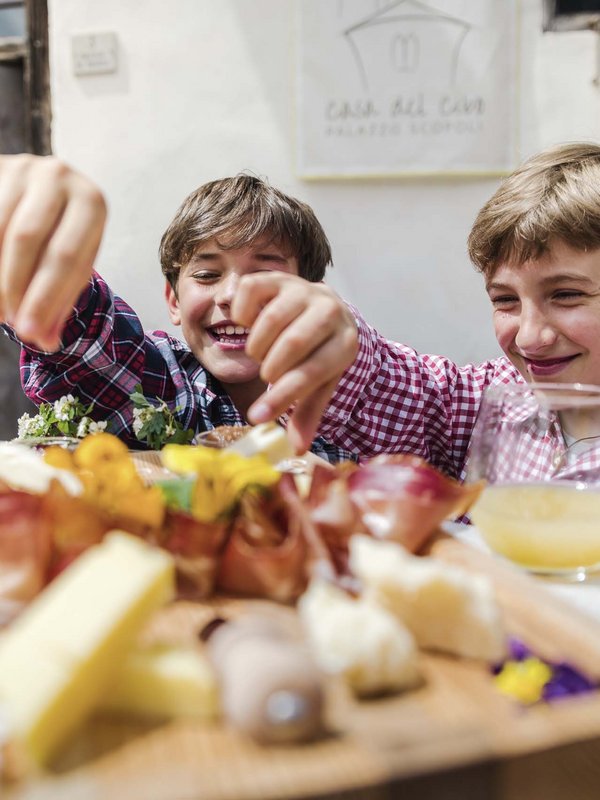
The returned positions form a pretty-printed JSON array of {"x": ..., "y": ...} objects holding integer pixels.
[
  {"x": 360, "y": 641},
  {"x": 267, "y": 439},
  {"x": 445, "y": 607}
]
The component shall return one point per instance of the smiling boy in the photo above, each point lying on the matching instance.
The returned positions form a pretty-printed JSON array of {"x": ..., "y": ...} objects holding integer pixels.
[
  {"x": 223, "y": 231},
  {"x": 537, "y": 244}
]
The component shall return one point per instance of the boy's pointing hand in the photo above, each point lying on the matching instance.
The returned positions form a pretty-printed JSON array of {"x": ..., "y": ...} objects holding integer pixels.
[
  {"x": 51, "y": 223},
  {"x": 305, "y": 337}
]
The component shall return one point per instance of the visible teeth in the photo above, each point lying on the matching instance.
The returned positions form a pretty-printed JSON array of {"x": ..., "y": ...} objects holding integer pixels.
[{"x": 231, "y": 330}]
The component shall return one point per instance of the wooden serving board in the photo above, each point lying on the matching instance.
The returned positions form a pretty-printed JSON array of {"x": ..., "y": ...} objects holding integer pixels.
[{"x": 456, "y": 737}]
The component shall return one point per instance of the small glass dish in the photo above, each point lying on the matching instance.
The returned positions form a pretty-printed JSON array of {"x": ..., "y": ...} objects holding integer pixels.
[
  {"x": 222, "y": 436},
  {"x": 42, "y": 442}
]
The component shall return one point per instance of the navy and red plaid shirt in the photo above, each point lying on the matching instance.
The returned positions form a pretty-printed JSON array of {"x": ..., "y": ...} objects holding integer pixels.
[{"x": 105, "y": 353}]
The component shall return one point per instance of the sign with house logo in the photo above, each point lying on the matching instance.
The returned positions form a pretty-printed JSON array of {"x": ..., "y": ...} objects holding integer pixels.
[{"x": 406, "y": 87}]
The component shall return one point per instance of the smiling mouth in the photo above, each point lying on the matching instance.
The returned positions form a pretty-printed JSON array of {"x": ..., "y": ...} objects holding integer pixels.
[
  {"x": 548, "y": 366},
  {"x": 229, "y": 334}
]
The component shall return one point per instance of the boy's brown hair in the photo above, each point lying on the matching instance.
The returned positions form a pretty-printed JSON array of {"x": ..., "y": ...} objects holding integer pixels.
[
  {"x": 552, "y": 196},
  {"x": 238, "y": 211}
]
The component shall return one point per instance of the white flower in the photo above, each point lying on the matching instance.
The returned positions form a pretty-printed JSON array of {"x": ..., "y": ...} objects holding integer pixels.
[
  {"x": 30, "y": 426},
  {"x": 87, "y": 426},
  {"x": 96, "y": 427},
  {"x": 140, "y": 417},
  {"x": 63, "y": 406},
  {"x": 83, "y": 427}
]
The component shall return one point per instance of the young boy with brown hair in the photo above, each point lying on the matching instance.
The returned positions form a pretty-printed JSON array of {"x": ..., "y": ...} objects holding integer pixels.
[
  {"x": 93, "y": 345},
  {"x": 537, "y": 244}
]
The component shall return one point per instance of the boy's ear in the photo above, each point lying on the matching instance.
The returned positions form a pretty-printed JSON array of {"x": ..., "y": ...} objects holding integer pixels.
[{"x": 172, "y": 303}]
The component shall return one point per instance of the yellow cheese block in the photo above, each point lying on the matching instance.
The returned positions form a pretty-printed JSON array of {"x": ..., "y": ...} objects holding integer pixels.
[
  {"x": 164, "y": 681},
  {"x": 60, "y": 655}
]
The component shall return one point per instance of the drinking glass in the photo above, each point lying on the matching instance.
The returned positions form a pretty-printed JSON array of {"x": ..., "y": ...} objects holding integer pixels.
[{"x": 538, "y": 449}]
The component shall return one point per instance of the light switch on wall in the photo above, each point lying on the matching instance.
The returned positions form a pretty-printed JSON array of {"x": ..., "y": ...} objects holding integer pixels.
[{"x": 94, "y": 53}]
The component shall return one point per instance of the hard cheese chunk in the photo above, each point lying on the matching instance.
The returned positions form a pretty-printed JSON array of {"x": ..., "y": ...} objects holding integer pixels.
[
  {"x": 164, "y": 681},
  {"x": 62, "y": 652},
  {"x": 358, "y": 640},
  {"x": 445, "y": 607}
]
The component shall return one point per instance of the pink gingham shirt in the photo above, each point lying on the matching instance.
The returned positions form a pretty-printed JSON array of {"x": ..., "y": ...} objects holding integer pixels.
[{"x": 395, "y": 400}]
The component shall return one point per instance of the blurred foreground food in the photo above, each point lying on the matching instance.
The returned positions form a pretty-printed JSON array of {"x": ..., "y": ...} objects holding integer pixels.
[
  {"x": 60, "y": 655},
  {"x": 221, "y": 522}
]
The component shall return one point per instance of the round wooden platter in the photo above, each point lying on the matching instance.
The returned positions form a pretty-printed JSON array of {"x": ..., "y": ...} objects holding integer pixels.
[{"x": 455, "y": 722}]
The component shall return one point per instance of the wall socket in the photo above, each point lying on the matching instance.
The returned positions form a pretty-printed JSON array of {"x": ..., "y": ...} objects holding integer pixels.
[{"x": 94, "y": 53}]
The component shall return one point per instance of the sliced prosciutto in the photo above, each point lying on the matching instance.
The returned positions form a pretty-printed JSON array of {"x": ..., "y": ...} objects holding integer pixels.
[
  {"x": 266, "y": 554},
  {"x": 405, "y": 499},
  {"x": 25, "y": 531}
]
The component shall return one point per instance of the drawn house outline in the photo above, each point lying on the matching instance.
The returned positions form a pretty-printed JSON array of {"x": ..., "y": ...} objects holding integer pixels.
[{"x": 404, "y": 49}]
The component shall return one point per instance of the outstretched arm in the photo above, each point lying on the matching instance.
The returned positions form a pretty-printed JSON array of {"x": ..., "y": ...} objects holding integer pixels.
[
  {"x": 51, "y": 223},
  {"x": 304, "y": 337}
]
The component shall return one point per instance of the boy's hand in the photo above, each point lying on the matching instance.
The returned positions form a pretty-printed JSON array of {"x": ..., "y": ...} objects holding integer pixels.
[
  {"x": 304, "y": 336},
  {"x": 51, "y": 223}
]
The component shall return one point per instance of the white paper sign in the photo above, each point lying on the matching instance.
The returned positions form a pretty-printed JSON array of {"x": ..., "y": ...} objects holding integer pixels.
[{"x": 406, "y": 87}]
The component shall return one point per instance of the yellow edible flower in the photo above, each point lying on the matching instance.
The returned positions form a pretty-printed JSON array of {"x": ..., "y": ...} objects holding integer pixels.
[
  {"x": 110, "y": 479},
  {"x": 524, "y": 680},
  {"x": 221, "y": 477}
]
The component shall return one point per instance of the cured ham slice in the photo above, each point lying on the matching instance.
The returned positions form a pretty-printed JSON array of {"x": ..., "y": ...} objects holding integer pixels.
[
  {"x": 401, "y": 497},
  {"x": 266, "y": 552},
  {"x": 25, "y": 532},
  {"x": 196, "y": 547}
]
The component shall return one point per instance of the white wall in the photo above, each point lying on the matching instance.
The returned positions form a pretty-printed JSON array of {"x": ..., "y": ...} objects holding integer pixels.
[{"x": 205, "y": 89}]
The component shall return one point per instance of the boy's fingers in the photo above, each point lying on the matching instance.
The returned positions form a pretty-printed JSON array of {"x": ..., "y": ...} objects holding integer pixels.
[
  {"x": 322, "y": 322},
  {"x": 323, "y": 367},
  {"x": 273, "y": 323},
  {"x": 11, "y": 191},
  {"x": 252, "y": 294},
  {"x": 63, "y": 273},
  {"x": 304, "y": 421},
  {"x": 24, "y": 238},
  {"x": 51, "y": 222}
]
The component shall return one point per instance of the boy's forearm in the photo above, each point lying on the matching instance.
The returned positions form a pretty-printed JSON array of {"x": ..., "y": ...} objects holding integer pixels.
[{"x": 90, "y": 355}]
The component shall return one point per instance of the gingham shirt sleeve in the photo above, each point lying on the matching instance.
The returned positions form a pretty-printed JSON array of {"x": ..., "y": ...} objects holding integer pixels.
[{"x": 395, "y": 400}]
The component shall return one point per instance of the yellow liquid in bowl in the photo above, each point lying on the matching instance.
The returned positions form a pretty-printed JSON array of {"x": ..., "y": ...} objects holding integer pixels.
[{"x": 545, "y": 527}]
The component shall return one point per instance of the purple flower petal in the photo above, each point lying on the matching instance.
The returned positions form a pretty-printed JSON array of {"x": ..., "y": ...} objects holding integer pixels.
[
  {"x": 566, "y": 680},
  {"x": 518, "y": 651}
]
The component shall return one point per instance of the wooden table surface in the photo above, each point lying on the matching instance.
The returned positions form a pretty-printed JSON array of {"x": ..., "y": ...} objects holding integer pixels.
[{"x": 455, "y": 738}]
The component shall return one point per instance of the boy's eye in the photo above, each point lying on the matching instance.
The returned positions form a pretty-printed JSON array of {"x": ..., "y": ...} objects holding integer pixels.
[
  {"x": 206, "y": 276},
  {"x": 568, "y": 294},
  {"x": 273, "y": 259},
  {"x": 504, "y": 300}
]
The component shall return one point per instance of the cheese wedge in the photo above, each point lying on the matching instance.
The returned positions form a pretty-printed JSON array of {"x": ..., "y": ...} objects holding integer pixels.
[
  {"x": 61, "y": 654},
  {"x": 445, "y": 607},
  {"x": 164, "y": 681},
  {"x": 267, "y": 439},
  {"x": 360, "y": 641}
]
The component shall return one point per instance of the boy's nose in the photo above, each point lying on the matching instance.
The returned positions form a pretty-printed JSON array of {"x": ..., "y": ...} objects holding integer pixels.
[
  {"x": 227, "y": 288},
  {"x": 536, "y": 331}
]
